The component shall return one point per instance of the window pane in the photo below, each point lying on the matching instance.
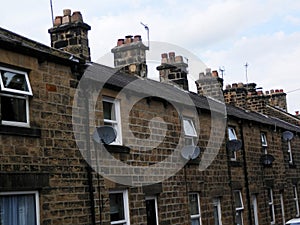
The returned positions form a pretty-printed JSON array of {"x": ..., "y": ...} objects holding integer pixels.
[
  {"x": 13, "y": 109},
  {"x": 216, "y": 215},
  {"x": 263, "y": 139},
  {"x": 109, "y": 111},
  {"x": 238, "y": 218},
  {"x": 116, "y": 207},
  {"x": 231, "y": 134},
  {"x": 18, "y": 209},
  {"x": 151, "y": 212},
  {"x": 14, "y": 81},
  {"x": 237, "y": 199},
  {"x": 189, "y": 128},
  {"x": 195, "y": 222},
  {"x": 194, "y": 207}
]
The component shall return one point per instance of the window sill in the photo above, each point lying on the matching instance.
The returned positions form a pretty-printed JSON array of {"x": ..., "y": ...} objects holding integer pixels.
[
  {"x": 20, "y": 131},
  {"x": 117, "y": 149},
  {"x": 234, "y": 163}
]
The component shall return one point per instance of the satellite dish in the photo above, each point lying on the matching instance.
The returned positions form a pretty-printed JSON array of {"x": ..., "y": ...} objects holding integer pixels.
[
  {"x": 105, "y": 134},
  {"x": 234, "y": 145},
  {"x": 287, "y": 135},
  {"x": 190, "y": 152},
  {"x": 267, "y": 159}
]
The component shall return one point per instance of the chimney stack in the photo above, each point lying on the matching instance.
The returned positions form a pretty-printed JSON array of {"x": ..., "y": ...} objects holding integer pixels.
[
  {"x": 130, "y": 55},
  {"x": 173, "y": 68},
  {"x": 210, "y": 84},
  {"x": 70, "y": 33}
]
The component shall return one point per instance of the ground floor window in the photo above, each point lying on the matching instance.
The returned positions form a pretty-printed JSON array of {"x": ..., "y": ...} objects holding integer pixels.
[
  {"x": 194, "y": 202},
  {"x": 19, "y": 208},
  {"x": 151, "y": 209},
  {"x": 239, "y": 207},
  {"x": 119, "y": 209},
  {"x": 217, "y": 211}
]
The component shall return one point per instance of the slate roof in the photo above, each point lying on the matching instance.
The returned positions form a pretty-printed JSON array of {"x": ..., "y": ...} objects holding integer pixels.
[{"x": 119, "y": 80}]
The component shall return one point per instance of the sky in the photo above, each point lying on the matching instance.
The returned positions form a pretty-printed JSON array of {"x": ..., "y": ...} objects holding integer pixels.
[{"x": 225, "y": 34}]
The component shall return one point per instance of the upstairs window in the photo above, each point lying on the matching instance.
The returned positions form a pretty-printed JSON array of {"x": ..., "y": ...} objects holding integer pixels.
[
  {"x": 264, "y": 143},
  {"x": 15, "y": 89},
  {"x": 189, "y": 131},
  {"x": 112, "y": 117},
  {"x": 232, "y": 136},
  {"x": 290, "y": 152}
]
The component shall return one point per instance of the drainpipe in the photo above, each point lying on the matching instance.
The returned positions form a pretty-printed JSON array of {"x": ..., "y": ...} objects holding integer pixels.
[
  {"x": 246, "y": 175},
  {"x": 88, "y": 167}
]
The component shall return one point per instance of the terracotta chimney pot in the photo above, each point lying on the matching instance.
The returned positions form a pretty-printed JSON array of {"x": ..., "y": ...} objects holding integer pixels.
[
  {"x": 178, "y": 59},
  {"x": 76, "y": 17},
  {"x": 215, "y": 73},
  {"x": 234, "y": 85},
  {"x": 137, "y": 38},
  {"x": 128, "y": 39},
  {"x": 57, "y": 20},
  {"x": 120, "y": 42}
]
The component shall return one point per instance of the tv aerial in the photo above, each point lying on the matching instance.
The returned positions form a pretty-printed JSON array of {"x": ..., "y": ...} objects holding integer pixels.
[
  {"x": 287, "y": 135},
  {"x": 190, "y": 152},
  {"x": 147, "y": 29},
  {"x": 105, "y": 135}
]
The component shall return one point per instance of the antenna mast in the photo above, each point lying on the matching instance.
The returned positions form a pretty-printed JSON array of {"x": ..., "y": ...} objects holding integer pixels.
[
  {"x": 52, "y": 12},
  {"x": 222, "y": 70},
  {"x": 147, "y": 29},
  {"x": 246, "y": 67}
]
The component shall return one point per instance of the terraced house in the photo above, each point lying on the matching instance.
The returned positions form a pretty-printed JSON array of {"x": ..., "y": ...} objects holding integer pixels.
[{"x": 178, "y": 157}]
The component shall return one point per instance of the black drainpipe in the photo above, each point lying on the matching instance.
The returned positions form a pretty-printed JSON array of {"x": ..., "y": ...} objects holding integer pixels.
[
  {"x": 246, "y": 175},
  {"x": 88, "y": 167}
]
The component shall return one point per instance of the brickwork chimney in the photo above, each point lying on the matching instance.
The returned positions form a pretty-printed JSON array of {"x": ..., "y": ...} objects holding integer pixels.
[
  {"x": 174, "y": 69},
  {"x": 210, "y": 84},
  {"x": 277, "y": 98},
  {"x": 249, "y": 97},
  {"x": 130, "y": 55},
  {"x": 70, "y": 33}
]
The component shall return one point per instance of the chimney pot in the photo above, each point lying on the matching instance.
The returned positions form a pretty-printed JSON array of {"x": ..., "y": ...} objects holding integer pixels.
[
  {"x": 208, "y": 71},
  {"x": 297, "y": 113},
  {"x": 128, "y": 39},
  {"x": 76, "y": 17},
  {"x": 215, "y": 73},
  {"x": 171, "y": 57},
  {"x": 267, "y": 92},
  {"x": 120, "y": 42},
  {"x": 276, "y": 91},
  {"x": 272, "y": 91},
  {"x": 179, "y": 59},
  {"x": 164, "y": 55},
  {"x": 260, "y": 93},
  {"x": 234, "y": 85},
  {"x": 57, "y": 20},
  {"x": 67, "y": 12},
  {"x": 228, "y": 86},
  {"x": 281, "y": 90},
  {"x": 240, "y": 85},
  {"x": 137, "y": 38}
]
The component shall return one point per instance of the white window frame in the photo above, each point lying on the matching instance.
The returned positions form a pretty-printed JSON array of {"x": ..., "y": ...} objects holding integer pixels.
[
  {"x": 241, "y": 208},
  {"x": 37, "y": 201},
  {"x": 156, "y": 207},
  {"x": 282, "y": 208},
  {"x": 264, "y": 142},
  {"x": 191, "y": 133},
  {"x": 15, "y": 123},
  {"x": 3, "y": 88},
  {"x": 196, "y": 216},
  {"x": 126, "y": 220},
  {"x": 116, "y": 123},
  {"x": 232, "y": 130},
  {"x": 295, "y": 193},
  {"x": 290, "y": 152},
  {"x": 255, "y": 209},
  {"x": 271, "y": 204},
  {"x": 217, "y": 204}
]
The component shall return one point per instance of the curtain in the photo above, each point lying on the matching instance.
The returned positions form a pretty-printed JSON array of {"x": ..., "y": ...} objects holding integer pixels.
[{"x": 17, "y": 210}]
